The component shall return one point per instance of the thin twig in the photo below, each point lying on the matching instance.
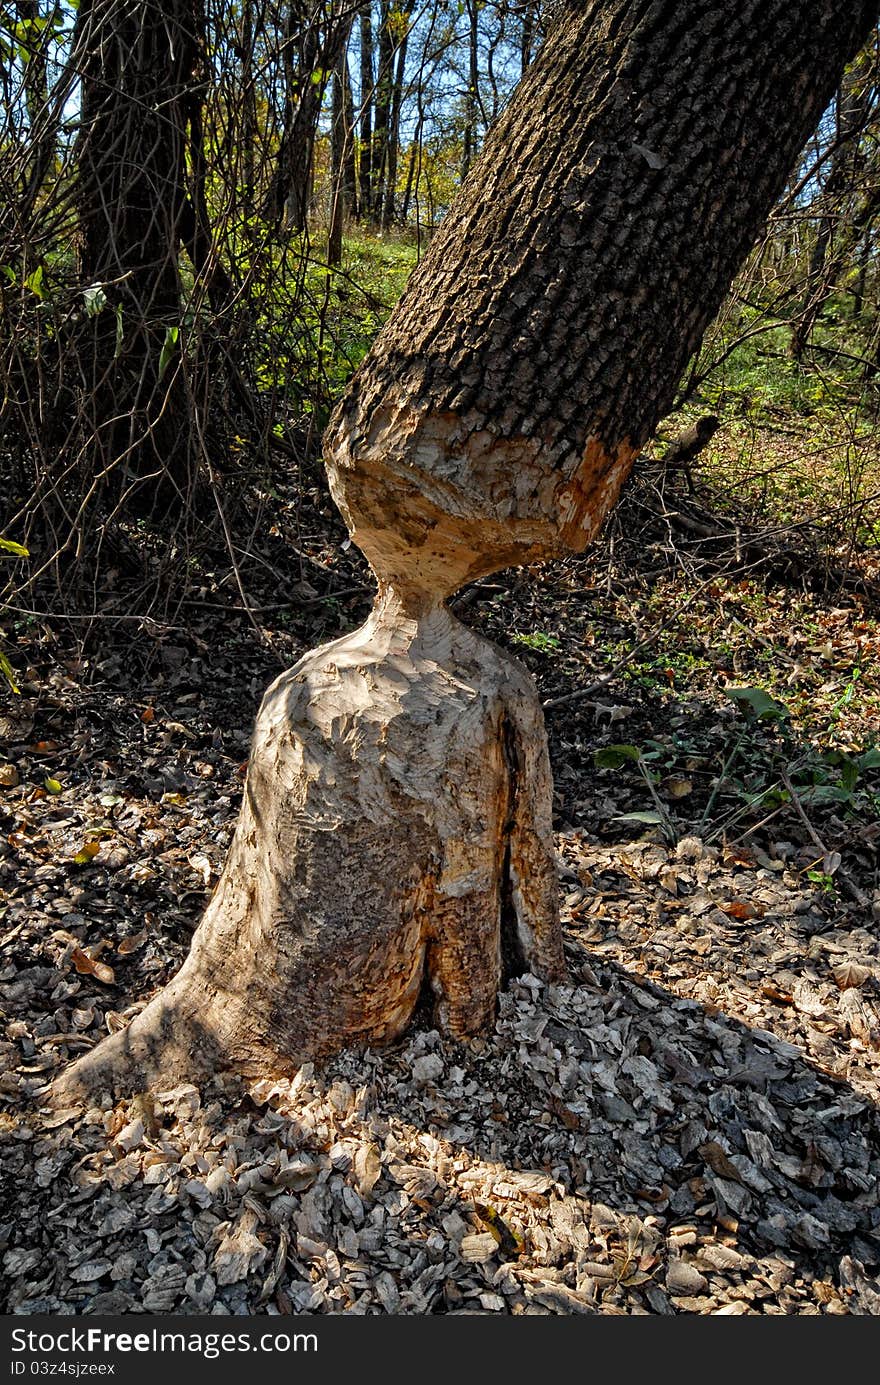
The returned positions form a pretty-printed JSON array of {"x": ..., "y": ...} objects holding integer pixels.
[{"x": 846, "y": 881}]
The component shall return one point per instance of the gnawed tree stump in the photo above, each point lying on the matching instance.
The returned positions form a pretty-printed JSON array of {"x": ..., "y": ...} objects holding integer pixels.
[
  {"x": 395, "y": 834},
  {"x": 396, "y": 823}
]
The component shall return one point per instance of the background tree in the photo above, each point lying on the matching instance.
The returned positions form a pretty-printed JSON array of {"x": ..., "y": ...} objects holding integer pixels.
[
  {"x": 138, "y": 64},
  {"x": 314, "y": 38},
  {"x": 396, "y": 823}
]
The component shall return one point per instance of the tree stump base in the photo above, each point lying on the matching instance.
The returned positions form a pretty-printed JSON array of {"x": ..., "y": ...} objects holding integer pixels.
[{"x": 395, "y": 834}]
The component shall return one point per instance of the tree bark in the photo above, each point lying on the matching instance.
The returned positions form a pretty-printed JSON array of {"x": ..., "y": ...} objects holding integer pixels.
[
  {"x": 392, "y": 142},
  {"x": 397, "y": 809},
  {"x": 137, "y": 62},
  {"x": 340, "y": 143},
  {"x": 382, "y": 106},
  {"x": 365, "y": 164},
  {"x": 469, "y": 136}
]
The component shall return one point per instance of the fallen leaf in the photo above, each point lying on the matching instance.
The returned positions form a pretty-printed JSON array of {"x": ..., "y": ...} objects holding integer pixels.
[
  {"x": 132, "y": 943},
  {"x": 742, "y": 909},
  {"x": 494, "y": 1223},
  {"x": 86, "y": 853},
  {"x": 773, "y": 993},
  {"x": 87, "y": 966},
  {"x": 737, "y": 856},
  {"x": 675, "y": 786},
  {"x": 562, "y": 1112},
  {"x": 202, "y": 866},
  {"x": 716, "y": 1158},
  {"x": 850, "y": 974}
]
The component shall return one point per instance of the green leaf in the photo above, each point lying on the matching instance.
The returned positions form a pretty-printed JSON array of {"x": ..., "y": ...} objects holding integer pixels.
[
  {"x": 760, "y": 704},
  {"x": 169, "y": 346},
  {"x": 34, "y": 282},
  {"x": 870, "y": 759},
  {"x": 538, "y": 640},
  {"x": 52, "y": 785},
  {"x": 824, "y": 793},
  {"x": 613, "y": 756},
  {"x": 8, "y": 672},
  {"x": 8, "y": 272},
  {"x": 16, "y": 549},
  {"x": 94, "y": 299},
  {"x": 849, "y": 774}
]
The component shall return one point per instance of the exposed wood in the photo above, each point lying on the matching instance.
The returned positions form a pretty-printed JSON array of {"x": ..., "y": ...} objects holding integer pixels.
[{"x": 396, "y": 830}]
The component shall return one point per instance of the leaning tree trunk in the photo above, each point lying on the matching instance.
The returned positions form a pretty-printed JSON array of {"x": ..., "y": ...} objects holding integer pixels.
[{"x": 396, "y": 824}]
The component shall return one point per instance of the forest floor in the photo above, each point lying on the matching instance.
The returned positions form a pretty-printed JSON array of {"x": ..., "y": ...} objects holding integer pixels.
[{"x": 688, "y": 1125}]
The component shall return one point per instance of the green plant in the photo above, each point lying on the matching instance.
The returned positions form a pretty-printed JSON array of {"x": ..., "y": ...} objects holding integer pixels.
[
  {"x": 614, "y": 757},
  {"x": 822, "y": 879},
  {"x": 544, "y": 644},
  {"x": 839, "y": 777},
  {"x": 755, "y": 706},
  {"x": 15, "y": 550}
]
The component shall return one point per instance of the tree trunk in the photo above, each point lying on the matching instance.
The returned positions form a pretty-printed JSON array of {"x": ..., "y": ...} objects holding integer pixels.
[
  {"x": 340, "y": 138},
  {"x": 196, "y": 231},
  {"x": 137, "y": 62},
  {"x": 382, "y": 108},
  {"x": 365, "y": 165},
  {"x": 393, "y": 133},
  {"x": 395, "y": 832},
  {"x": 396, "y": 823},
  {"x": 291, "y": 187},
  {"x": 469, "y": 137},
  {"x": 841, "y": 180},
  {"x": 248, "y": 102},
  {"x": 349, "y": 171},
  {"x": 34, "y": 38},
  {"x": 313, "y": 41},
  {"x": 412, "y": 163},
  {"x": 527, "y": 36}
]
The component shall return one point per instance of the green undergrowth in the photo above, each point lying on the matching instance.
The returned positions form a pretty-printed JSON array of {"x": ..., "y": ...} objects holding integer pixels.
[{"x": 725, "y": 708}]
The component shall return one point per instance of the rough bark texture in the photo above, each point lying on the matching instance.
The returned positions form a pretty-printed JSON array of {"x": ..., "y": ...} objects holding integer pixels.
[
  {"x": 137, "y": 59},
  {"x": 542, "y": 337},
  {"x": 396, "y": 822}
]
